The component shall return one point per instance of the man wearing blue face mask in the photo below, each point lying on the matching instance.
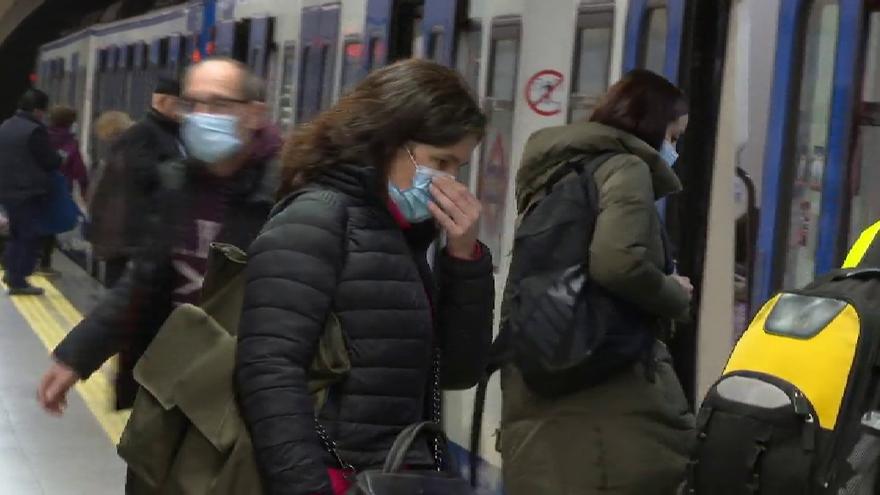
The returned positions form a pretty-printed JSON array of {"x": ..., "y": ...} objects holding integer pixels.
[{"x": 223, "y": 192}]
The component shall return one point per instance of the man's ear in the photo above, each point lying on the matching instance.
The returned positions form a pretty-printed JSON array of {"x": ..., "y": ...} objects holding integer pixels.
[{"x": 256, "y": 116}]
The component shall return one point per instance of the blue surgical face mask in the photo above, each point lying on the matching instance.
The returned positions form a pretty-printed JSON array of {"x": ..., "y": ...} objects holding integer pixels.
[
  {"x": 413, "y": 202},
  {"x": 669, "y": 153},
  {"x": 211, "y": 138}
]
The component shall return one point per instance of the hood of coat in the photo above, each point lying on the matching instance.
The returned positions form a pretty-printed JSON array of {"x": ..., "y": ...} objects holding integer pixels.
[{"x": 549, "y": 148}]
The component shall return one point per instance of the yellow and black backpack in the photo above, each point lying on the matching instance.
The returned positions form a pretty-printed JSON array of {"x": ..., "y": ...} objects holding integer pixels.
[{"x": 797, "y": 409}]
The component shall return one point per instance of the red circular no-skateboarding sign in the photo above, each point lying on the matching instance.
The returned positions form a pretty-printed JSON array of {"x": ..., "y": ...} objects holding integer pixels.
[{"x": 542, "y": 92}]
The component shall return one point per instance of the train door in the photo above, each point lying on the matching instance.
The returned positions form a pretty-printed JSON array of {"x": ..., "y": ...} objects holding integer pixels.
[
  {"x": 117, "y": 97},
  {"x": 286, "y": 106},
  {"x": 173, "y": 59},
  {"x": 319, "y": 40},
  {"x": 864, "y": 174},
  {"x": 802, "y": 229},
  {"x": 261, "y": 56},
  {"x": 495, "y": 167},
  {"x": 72, "y": 82},
  {"x": 260, "y": 45},
  {"x": 154, "y": 64},
  {"x": 139, "y": 88},
  {"x": 224, "y": 41},
  {"x": 438, "y": 30},
  {"x": 468, "y": 62},
  {"x": 399, "y": 29},
  {"x": 592, "y": 58},
  {"x": 98, "y": 99},
  {"x": 126, "y": 97},
  {"x": 654, "y": 31},
  {"x": 353, "y": 69}
]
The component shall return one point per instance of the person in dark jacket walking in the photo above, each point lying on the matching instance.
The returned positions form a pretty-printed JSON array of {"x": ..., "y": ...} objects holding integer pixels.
[
  {"x": 223, "y": 192},
  {"x": 375, "y": 186},
  {"x": 26, "y": 161},
  {"x": 155, "y": 139},
  {"x": 61, "y": 121},
  {"x": 630, "y": 434},
  {"x": 130, "y": 177}
]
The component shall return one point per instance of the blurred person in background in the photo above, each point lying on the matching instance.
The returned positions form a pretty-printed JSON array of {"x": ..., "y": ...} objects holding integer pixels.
[
  {"x": 61, "y": 136},
  {"x": 221, "y": 192},
  {"x": 107, "y": 199},
  {"x": 27, "y": 161}
]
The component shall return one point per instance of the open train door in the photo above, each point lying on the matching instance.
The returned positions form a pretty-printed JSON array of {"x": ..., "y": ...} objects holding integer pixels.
[
  {"x": 812, "y": 164},
  {"x": 685, "y": 41},
  {"x": 654, "y": 33}
]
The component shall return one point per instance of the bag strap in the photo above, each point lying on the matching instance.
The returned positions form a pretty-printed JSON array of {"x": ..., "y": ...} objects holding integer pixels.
[{"x": 403, "y": 444}]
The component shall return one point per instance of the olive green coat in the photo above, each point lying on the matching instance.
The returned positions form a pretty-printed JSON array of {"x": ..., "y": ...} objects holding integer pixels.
[{"x": 632, "y": 433}]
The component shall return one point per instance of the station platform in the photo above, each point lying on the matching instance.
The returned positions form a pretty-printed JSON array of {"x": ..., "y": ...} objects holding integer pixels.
[{"x": 41, "y": 454}]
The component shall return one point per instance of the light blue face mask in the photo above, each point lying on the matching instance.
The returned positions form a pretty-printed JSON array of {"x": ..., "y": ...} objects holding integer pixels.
[
  {"x": 413, "y": 202},
  {"x": 669, "y": 153},
  {"x": 211, "y": 138}
]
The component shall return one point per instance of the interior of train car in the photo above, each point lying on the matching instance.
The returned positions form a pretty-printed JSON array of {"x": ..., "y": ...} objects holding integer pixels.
[{"x": 777, "y": 162}]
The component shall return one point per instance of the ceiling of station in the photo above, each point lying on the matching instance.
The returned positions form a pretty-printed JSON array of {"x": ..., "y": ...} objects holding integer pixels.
[{"x": 12, "y": 12}]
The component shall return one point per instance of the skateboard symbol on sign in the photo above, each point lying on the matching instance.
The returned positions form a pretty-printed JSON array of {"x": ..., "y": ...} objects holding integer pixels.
[{"x": 542, "y": 90}]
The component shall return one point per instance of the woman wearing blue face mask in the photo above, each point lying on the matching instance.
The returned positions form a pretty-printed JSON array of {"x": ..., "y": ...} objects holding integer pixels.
[{"x": 368, "y": 187}]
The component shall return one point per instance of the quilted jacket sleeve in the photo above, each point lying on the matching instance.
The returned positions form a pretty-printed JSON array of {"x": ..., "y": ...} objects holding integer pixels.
[
  {"x": 110, "y": 326},
  {"x": 292, "y": 274},
  {"x": 465, "y": 316}
]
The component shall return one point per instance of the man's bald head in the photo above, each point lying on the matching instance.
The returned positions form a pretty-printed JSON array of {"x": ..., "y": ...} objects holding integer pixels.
[{"x": 233, "y": 78}]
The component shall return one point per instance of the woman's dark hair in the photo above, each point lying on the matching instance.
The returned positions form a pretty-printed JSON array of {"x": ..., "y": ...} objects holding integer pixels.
[
  {"x": 409, "y": 101},
  {"x": 62, "y": 116},
  {"x": 642, "y": 104},
  {"x": 33, "y": 99}
]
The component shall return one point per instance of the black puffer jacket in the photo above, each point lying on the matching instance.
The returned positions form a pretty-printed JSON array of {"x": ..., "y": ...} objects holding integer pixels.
[{"x": 339, "y": 250}]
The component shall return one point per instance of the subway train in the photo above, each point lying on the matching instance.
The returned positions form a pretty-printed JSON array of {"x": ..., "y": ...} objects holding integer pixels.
[{"x": 785, "y": 117}]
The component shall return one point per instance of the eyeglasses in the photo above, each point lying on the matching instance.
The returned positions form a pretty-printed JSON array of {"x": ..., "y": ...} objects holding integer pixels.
[{"x": 216, "y": 106}]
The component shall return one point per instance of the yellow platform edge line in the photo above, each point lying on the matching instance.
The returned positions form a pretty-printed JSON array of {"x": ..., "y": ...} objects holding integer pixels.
[{"x": 97, "y": 391}]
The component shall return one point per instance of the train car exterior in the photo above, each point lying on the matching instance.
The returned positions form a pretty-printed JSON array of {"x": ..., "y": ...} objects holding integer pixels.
[{"x": 788, "y": 155}]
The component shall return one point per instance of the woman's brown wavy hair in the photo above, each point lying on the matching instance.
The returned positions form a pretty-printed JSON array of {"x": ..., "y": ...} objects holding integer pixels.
[{"x": 409, "y": 101}]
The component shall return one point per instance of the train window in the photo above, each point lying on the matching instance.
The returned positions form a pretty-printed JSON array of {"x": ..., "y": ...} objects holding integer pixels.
[
  {"x": 865, "y": 207},
  {"x": 305, "y": 65},
  {"x": 502, "y": 81},
  {"x": 468, "y": 61},
  {"x": 328, "y": 75},
  {"x": 494, "y": 173},
  {"x": 807, "y": 163},
  {"x": 592, "y": 61},
  {"x": 469, "y": 53},
  {"x": 272, "y": 79},
  {"x": 436, "y": 42},
  {"x": 653, "y": 50},
  {"x": 352, "y": 64},
  {"x": 375, "y": 52},
  {"x": 285, "y": 98}
]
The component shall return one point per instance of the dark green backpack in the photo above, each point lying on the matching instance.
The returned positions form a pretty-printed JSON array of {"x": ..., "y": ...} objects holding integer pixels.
[{"x": 185, "y": 433}]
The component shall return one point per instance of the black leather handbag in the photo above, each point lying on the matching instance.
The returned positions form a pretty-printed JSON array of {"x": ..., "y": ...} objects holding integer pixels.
[{"x": 392, "y": 480}]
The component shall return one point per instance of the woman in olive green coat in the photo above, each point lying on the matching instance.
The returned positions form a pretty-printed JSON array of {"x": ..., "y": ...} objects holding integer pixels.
[{"x": 630, "y": 434}]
